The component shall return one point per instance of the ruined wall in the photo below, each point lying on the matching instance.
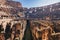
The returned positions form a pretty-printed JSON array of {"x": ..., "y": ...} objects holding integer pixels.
[
  {"x": 8, "y": 8},
  {"x": 17, "y": 29},
  {"x": 35, "y": 29},
  {"x": 44, "y": 30}
]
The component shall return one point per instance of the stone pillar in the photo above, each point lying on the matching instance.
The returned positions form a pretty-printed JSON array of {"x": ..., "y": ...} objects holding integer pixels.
[{"x": 4, "y": 25}]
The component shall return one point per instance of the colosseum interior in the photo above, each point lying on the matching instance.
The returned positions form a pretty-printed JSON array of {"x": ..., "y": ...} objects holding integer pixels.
[{"x": 19, "y": 23}]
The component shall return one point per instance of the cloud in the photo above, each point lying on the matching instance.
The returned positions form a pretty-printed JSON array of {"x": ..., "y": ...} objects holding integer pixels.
[{"x": 37, "y": 3}]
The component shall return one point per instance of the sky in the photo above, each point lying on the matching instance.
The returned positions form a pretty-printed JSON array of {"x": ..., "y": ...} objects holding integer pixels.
[{"x": 36, "y": 3}]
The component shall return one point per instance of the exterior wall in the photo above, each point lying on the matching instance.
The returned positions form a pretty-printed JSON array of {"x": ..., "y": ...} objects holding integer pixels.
[
  {"x": 2, "y": 1},
  {"x": 14, "y": 4}
]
